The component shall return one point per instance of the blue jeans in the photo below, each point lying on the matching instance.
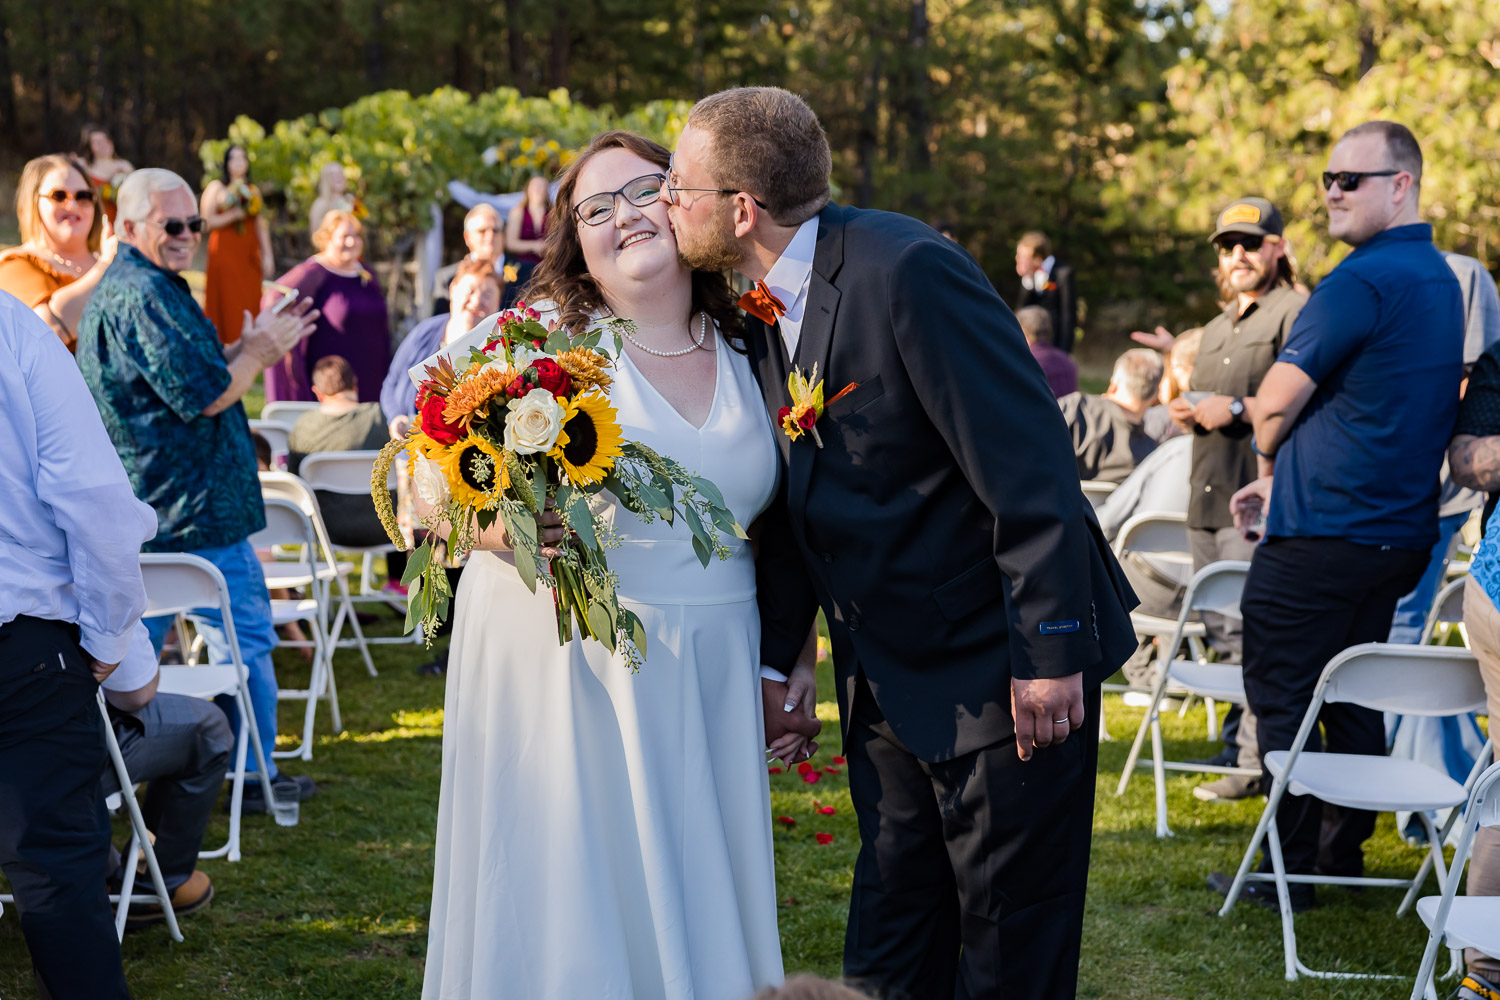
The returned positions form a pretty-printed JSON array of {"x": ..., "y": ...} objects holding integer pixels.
[
  {"x": 250, "y": 604},
  {"x": 1411, "y": 610}
]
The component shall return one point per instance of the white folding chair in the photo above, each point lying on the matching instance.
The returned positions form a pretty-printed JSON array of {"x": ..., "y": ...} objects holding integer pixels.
[
  {"x": 278, "y": 437},
  {"x": 1447, "y": 610},
  {"x": 349, "y": 472},
  {"x": 1468, "y": 921},
  {"x": 178, "y": 584},
  {"x": 140, "y": 842},
  {"x": 287, "y": 525},
  {"x": 318, "y": 565},
  {"x": 1401, "y": 678},
  {"x": 1216, "y": 588},
  {"x": 285, "y": 412},
  {"x": 1097, "y": 491}
]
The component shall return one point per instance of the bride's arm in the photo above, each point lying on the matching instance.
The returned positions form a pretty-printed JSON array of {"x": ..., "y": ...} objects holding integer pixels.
[{"x": 494, "y": 538}]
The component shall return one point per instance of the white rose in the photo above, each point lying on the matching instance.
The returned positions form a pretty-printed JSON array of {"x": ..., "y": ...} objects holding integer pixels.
[
  {"x": 533, "y": 422},
  {"x": 431, "y": 484}
]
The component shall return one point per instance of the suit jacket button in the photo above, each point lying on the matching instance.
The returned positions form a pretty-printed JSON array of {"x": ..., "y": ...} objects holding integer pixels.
[
  {"x": 826, "y": 556},
  {"x": 854, "y": 623}
]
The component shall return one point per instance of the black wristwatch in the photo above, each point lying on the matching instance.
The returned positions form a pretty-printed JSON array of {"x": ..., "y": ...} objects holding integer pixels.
[{"x": 1237, "y": 409}]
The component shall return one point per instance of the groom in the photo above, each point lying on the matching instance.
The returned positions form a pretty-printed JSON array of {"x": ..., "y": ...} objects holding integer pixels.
[{"x": 933, "y": 511}]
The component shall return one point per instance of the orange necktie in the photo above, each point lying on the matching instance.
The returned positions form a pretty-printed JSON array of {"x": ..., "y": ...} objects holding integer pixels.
[{"x": 760, "y": 303}]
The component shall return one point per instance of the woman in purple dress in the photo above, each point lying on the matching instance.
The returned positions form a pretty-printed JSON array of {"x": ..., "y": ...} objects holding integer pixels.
[{"x": 353, "y": 324}]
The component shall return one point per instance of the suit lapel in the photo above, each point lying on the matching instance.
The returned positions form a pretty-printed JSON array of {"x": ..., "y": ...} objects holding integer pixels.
[
  {"x": 771, "y": 368},
  {"x": 816, "y": 341}
]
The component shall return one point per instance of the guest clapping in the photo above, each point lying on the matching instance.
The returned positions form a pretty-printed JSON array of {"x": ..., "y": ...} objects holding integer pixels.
[
  {"x": 239, "y": 245},
  {"x": 353, "y": 322},
  {"x": 169, "y": 394},
  {"x": 67, "y": 244}
]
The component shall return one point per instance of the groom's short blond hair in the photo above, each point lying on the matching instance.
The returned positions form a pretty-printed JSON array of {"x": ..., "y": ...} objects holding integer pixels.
[{"x": 767, "y": 142}]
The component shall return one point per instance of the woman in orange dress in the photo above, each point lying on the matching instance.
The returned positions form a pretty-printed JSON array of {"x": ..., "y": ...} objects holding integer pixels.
[
  {"x": 67, "y": 245},
  {"x": 105, "y": 169},
  {"x": 239, "y": 246}
]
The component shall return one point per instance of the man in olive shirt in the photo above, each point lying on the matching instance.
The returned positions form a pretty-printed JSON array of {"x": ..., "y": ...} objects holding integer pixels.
[{"x": 1256, "y": 281}]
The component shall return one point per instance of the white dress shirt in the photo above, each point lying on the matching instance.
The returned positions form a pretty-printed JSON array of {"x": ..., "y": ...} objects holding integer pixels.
[
  {"x": 70, "y": 527},
  {"x": 1037, "y": 280},
  {"x": 790, "y": 278}
]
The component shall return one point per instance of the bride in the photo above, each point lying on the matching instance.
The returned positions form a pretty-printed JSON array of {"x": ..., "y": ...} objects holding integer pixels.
[{"x": 603, "y": 834}]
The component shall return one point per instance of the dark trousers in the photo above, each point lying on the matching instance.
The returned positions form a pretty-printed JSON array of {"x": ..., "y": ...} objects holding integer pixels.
[
  {"x": 971, "y": 872},
  {"x": 1306, "y": 600},
  {"x": 180, "y": 747},
  {"x": 54, "y": 832}
]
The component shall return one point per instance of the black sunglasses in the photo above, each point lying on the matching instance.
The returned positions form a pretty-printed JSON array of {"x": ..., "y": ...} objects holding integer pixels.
[
  {"x": 672, "y": 189},
  {"x": 597, "y": 209},
  {"x": 1227, "y": 243},
  {"x": 84, "y": 197},
  {"x": 175, "y": 227},
  {"x": 1348, "y": 180}
]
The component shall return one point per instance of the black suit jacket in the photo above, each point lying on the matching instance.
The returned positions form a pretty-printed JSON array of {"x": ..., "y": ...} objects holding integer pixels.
[
  {"x": 940, "y": 526},
  {"x": 1060, "y": 300}
]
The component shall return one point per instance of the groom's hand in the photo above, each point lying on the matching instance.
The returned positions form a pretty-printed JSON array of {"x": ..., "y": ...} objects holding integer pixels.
[
  {"x": 791, "y": 720},
  {"x": 1046, "y": 710}
]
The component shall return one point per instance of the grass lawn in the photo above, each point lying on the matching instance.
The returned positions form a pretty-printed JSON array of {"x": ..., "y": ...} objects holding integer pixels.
[{"x": 337, "y": 907}]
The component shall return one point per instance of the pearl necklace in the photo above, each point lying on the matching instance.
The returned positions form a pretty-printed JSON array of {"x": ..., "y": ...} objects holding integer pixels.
[
  {"x": 62, "y": 261},
  {"x": 702, "y": 334}
]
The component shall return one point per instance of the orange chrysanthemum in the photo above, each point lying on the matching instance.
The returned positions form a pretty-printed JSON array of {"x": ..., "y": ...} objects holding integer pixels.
[
  {"x": 470, "y": 396},
  {"x": 585, "y": 367}
]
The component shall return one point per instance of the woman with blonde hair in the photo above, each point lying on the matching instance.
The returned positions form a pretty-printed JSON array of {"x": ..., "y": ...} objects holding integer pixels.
[
  {"x": 66, "y": 244},
  {"x": 333, "y": 195},
  {"x": 352, "y": 322}
]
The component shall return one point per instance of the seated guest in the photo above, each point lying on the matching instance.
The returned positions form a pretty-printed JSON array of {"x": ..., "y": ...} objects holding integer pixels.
[
  {"x": 169, "y": 393},
  {"x": 179, "y": 746},
  {"x": 1159, "y": 485},
  {"x": 68, "y": 508},
  {"x": 340, "y": 423},
  {"x": 1061, "y": 372},
  {"x": 476, "y": 291},
  {"x": 1109, "y": 440}
]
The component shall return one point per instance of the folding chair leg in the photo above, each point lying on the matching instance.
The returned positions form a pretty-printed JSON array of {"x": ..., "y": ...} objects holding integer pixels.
[
  {"x": 1213, "y": 719},
  {"x": 1284, "y": 902},
  {"x": 1104, "y": 736},
  {"x": 1267, "y": 821},
  {"x": 332, "y": 692},
  {"x": 1159, "y": 776},
  {"x": 1157, "y": 690},
  {"x": 127, "y": 882}
]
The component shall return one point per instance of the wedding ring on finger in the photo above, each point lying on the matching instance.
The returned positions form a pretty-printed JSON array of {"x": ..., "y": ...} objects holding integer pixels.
[{"x": 1060, "y": 722}]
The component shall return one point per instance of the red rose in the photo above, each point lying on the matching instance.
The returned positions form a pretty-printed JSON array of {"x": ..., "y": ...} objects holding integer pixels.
[
  {"x": 808, "y": 418},
  {"x": 433, "y": 424},
  {"x": 551, "y": 376},
  {"x": 823, "y": 838},
  {"x": 492, "y": 345},
  {"x": 786, "y": 411}
]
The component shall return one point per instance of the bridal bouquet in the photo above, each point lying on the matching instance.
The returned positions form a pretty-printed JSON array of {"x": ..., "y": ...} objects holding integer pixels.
[{"x": 523, "y": 424}]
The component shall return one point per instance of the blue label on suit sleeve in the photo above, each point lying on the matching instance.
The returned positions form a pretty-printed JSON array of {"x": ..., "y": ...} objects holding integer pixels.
[{"x": 1051, "y": 628}]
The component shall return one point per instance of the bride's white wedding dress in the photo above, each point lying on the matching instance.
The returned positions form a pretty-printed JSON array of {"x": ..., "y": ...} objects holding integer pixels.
[{"x": 604, "y": 835}]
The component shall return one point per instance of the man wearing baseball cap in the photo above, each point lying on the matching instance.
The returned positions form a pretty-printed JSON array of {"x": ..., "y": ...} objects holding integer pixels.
[{"x": 1256, "y": 279}]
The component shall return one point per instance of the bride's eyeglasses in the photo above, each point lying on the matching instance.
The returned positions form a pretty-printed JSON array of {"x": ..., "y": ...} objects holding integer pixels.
[{"x": 597, "y": 209}]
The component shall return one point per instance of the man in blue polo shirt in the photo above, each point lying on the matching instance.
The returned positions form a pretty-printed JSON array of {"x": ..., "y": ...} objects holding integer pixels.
[{"x": 1353, "y": 419}]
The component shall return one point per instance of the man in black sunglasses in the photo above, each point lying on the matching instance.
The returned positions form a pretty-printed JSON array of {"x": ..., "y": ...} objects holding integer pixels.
[{"x": 1353, "y": 420}]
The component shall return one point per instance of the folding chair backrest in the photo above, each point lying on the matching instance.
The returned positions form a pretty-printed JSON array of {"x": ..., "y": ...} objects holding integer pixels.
[
  {"x": 285, "y": 412},
  {"x": 276, "y": 435},
  {"x": 1154, "y": 534},
  {"x": 1484, "y": 798},
  {"x": 1218, "y": 587},
  {"x": 286, "y": 524},
  {"x": 285, "y": 486},
  {"x": 1408, "y": 680},
  {"x": 1447, "y": 608},
  {"x": 343, "y": 471},
  {"x": 1097, "y": 492},
  {"x": 178, "y": 582}
]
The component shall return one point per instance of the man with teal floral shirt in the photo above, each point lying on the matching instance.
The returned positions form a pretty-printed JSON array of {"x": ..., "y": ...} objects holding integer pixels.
[{"x": 170, "y": 398}]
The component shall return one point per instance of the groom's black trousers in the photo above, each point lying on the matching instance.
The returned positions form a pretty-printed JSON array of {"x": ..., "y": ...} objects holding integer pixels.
[{"x": 971, "y": 872}]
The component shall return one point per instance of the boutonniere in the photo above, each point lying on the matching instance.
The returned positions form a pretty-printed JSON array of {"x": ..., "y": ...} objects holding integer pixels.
[
  {"x": 807, "y": 404},
  {"x": 1050, "y": 286}
]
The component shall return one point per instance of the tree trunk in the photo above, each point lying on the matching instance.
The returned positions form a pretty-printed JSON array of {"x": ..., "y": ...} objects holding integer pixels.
[
  {"x": 11, "y": 125},
  {"x": 918, "y": 84},
  {"x": 374, "y": 48},
  {"x": 561, "y": 47},
  {"x": 515, "y": 41},
  {"x": 869, "y": 132},
  {"x": 49, "y": 120}
]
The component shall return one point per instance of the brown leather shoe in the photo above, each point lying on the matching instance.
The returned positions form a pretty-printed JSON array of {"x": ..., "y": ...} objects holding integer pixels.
[{"x": 189, "y": 897}]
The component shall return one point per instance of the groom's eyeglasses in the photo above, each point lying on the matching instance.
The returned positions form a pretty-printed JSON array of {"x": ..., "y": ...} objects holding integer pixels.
[
  {"x": 672, "y": 189},
  {"x": 597, "y": 209}
]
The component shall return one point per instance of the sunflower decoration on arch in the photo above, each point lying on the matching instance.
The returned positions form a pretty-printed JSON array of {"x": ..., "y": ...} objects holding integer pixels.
[{"x": 517, "y": 419}]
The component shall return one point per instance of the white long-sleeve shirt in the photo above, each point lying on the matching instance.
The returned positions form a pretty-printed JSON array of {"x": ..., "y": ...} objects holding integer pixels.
[{"x": 70, "y": 527}]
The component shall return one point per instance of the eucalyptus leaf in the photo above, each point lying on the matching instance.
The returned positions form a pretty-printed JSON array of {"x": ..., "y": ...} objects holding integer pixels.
[
  {"x": 704, "y": 552},
  {"x": 726, "y": 523},
  {"x": 522, "y": 531},
  {"x": 601, "y": 625},
  {"x": 416, "y": 563},
  {"x": 708, "y": 491},
  {"x": 580, "y": 518},
  {"x": 636, "y": 629}
]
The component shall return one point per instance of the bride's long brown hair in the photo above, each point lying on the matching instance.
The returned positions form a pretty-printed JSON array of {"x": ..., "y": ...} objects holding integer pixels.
[{"x": 563, "y": 277}]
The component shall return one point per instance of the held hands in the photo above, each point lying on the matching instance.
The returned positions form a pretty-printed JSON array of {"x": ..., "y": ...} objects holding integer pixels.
[
  {"x": 1248, "y": 504},
  {"x": 1047, "y": 710},
  {"x": 791, "y": 715},
  {"x": 270, "y": 335}
]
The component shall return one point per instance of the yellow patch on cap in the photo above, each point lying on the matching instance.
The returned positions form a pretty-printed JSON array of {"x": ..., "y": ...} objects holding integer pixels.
[{"x": 1239, "y": 213}]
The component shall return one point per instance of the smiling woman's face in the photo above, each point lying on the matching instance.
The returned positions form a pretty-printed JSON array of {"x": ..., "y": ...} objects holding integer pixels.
[
  {"x": 634, "y": 245},
  {"x": 65, "y": 224}
]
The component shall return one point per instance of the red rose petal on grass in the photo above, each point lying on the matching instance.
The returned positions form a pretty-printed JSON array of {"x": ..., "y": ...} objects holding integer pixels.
[
  {"x": 827, "y": 810},
  {"x": 786, "y": 821},
  {"x": 824, "y": 838},
  {"x": 831, "y": 770},
  {"x": 840, "y": 760},
  {"x": 804, "y": 767},
  {"x": 773, "y": 770},
  {"x": 812, "y": 778}
]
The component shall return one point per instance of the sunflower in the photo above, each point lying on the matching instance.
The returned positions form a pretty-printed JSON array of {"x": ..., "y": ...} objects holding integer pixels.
[
  {"x": 475, "y": 470},
  {"x": 585, "y": 367},
  {"x": 473, "y": 394},
  {"x": 589, "y": 441}
]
